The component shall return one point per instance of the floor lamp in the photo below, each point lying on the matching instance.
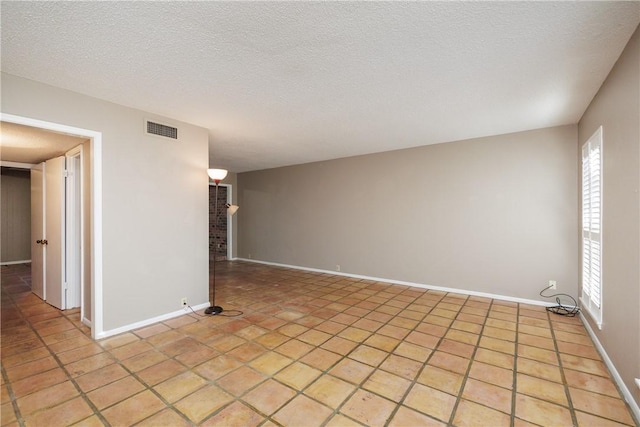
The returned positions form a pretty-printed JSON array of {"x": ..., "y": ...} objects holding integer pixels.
[{"x": 216, "y": 176}]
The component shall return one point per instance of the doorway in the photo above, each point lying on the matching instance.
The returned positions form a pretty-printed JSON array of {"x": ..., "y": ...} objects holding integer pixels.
[
  {"x": 220, "y": 233},
  {"x": 91, "y": 293}
]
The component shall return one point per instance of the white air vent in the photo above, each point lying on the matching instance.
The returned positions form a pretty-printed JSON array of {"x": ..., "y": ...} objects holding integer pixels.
[{"x": 161, "y": 130}]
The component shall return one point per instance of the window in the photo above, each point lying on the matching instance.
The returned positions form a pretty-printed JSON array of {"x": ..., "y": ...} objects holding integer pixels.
[{"x": 592, "y": 226}]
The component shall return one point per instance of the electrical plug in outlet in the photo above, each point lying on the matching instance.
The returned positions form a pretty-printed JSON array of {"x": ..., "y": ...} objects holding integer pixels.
[
  {"x": 184, "y": 301},
  {"x": 552, "y": 284},
  {"x": 337, "y": 267}
]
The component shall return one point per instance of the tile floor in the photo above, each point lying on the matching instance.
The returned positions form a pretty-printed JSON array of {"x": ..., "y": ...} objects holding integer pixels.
[{"x": 310, "y": 349}]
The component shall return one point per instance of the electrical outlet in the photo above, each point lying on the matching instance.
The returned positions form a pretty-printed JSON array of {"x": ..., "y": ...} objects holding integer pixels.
[
  {"x": 184, "y": 301},
  {"x": 249, "y": 255},
  {"x": 638, "y": 382},
  {"x": 337, "y": 267},
  {"x": 552, "y": 284}
]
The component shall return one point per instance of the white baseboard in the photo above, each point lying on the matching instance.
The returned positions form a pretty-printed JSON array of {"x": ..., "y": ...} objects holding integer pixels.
[
  {"x": 147, "y": 322},
  {"x": 24, "y": 261},
  {"x": 86, "y": 322},
  {"x": 401, "y": 282},
  {"x": 626, "y": 393}
]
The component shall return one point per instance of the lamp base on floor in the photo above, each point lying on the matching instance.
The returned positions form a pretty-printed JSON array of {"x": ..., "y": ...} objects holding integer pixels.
[{"x": 214, "y": 309}]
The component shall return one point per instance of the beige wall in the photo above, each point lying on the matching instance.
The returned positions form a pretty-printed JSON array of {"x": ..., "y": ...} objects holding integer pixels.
[
  {"x": 16, "y": 215},
  {"x": 494, "y": 215},
  {"x": 616, "y": 108},
  {"x": 154, "y": 198}
]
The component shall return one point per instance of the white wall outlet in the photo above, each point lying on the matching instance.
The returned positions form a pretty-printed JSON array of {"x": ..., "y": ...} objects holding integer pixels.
[
  {"x": 184, "y": 301},
  {"x": 337, "y": 267},
  {"x": 552, "y": 284},
  {"x": 249, "y": 255},
  {"x": 638, "y": 382}
]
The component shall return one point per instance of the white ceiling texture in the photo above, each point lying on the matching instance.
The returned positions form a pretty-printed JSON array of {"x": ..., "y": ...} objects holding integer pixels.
[{"x": 280, "y": 83}]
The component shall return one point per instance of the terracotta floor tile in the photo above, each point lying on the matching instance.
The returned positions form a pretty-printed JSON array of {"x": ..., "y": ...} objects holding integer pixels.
[
  {"x": 492, "y": 374},
  {"x": 236, "y": 414},
  {"x": 539, "y": 354},
  {"x": 297, "y": 375},
  {"x": 302, "y": 411},
  {"x": 542, "y": 389},
  {"x": 590, "y": 420},
  {"x": 339, "y": 345},
  {"x": 470, "y": 414},
  {"x": 408, "y": 417},
  {"x": 118, "y": 341},
  {"x": 339, "y": 420},
  {"x": 217, "y": 367},
  {"x": 203, "y": 402},
  {"x": 497, "y": 345},
  {"x": 269, "y": 396},
  {"x": 28, "y": 369},
  {"x": 38, "y": 382},
  {"x": 164, "y": 418},
  {"x": 180, "y": 386},
  {"x": 431, "y": 402},
  {"x": 382, "y": 342},
  {"x": 133, "y": 349},
  {"x": 540, "y": 412},
  {"x": 270, "y": 363},
  {"x": 292, "y": 330},
  {"x": 115, "y": 392},
  {"x": 46, "y": 397},
  {"x": 369, "y": 355},
  {"x": 495, "y": 358},
  {"x": 134, "y": 409},
  {"x": 7, "y": 415},
  {"x": 413, "y": 351},
  {"x": 143, "y": 360},
  {"x": 294, "y": 349},
  {"x": 240, "y": 380},
  {"x": 441, "y": 379},
  {"x": 487, "y": 394},
  {"x": 449, "y": 362},
  {"x": 149, "y": 331},
  {"x": 587, "y": 351},
  {"x": 401, "y": 366},
  {"x": 539, "y": 369},
  {"x": 310, "y": 348},
  {"x": 581, "y": 364},
  {"x": 387, "y": 385},
  {"x": 600, "y": 405},
  {"x": 247, "y": 352},
  {"x": 330, "y": 390},
  {"x": 79, "y": 353},
  {"x": 354, "y": 334},
  {"x": 226, "y": 343},
  {"x": 589, "y": 382},
  {"x": 64, "y": 414},
  {"x": 321, "y": 359},
  {"x": 422, "y": 339},
  {"x": 351, "y": 370},
  {"x": 536, "y": 341},
  {"x": 498, "y": 333},
  {"x": 368, "y": 408},
  {"x": 197, "y": 357}
]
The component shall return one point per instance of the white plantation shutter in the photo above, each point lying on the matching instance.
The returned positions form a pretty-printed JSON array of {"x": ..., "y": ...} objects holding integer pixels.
[{"x": 592, "y": 226}]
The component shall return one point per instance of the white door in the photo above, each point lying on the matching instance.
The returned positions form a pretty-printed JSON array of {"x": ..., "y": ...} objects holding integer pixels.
[
  {"x": 37, "y": 230},
  {"x": 54, "y": 232}
]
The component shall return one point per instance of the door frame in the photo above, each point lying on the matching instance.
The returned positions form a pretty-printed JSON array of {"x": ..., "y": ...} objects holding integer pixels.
[
  {"x": 96, "y": 324},
  {"x": 74, "y": 229}
]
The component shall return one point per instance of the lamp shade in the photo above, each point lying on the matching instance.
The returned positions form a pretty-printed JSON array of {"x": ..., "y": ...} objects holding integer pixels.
[
  {"x": 232, "y": 209},
  {"x": 217, "y": 174}
]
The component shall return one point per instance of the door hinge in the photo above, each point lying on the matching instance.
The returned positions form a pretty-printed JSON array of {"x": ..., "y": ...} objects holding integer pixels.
[{"x": 66, "y": 174}]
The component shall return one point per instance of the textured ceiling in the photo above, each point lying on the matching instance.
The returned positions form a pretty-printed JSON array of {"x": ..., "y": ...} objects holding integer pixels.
[
  {"x": 25, "y": 144},
  {"x": 280, "y": 83}
]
